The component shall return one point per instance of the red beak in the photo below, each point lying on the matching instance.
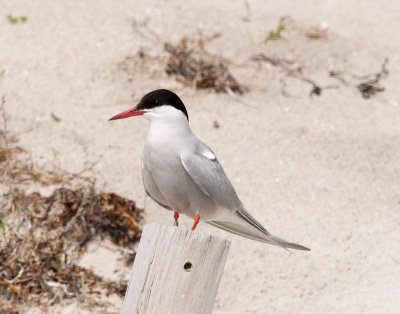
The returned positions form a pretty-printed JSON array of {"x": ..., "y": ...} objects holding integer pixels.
[{"x": 128, "y": 113}]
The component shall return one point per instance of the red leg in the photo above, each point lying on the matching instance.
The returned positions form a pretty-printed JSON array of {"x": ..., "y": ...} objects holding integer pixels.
[
  {"x": 176, "y": 216},
  {"x": 196, "y": 221}
]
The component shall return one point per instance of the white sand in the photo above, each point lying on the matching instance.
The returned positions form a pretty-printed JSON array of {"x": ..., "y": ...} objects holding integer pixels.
[{"x": 323, "y": 172}]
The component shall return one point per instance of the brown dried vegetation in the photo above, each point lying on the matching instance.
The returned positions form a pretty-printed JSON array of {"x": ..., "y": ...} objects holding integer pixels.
[
  {"x": 192, "y": 65},
  {"x": 41, "y": 237}
]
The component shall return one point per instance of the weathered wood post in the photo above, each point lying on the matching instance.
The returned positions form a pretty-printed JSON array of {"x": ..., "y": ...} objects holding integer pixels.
[{"x": 175, "y": 271}]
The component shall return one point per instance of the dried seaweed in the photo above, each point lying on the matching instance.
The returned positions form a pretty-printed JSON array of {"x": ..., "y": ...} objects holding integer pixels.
[
  {"x": 36, "y": 260},
  {"x": 368, "y": 85},
  {"x": 42, "y": 237},
  {"x": 192, "y": 65}
]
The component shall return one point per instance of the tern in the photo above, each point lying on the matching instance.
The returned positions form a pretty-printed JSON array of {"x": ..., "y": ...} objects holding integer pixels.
[{"x": 182, "y": 174}]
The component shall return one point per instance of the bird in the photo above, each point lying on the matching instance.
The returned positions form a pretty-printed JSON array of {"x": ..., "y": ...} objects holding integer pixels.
[{"x": 183, "y": 174}]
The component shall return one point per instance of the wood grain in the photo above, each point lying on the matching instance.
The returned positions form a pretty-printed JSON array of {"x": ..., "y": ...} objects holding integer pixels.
[{"x": 159, "y": 282}]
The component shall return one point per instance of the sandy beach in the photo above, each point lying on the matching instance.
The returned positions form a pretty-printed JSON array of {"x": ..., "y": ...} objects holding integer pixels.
[{"x": 319, "y": 170}]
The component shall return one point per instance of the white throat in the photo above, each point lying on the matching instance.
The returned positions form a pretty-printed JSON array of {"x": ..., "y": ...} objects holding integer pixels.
[{"x": 167, "y": 122}]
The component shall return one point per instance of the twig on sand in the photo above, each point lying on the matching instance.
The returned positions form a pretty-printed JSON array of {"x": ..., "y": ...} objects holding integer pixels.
[
  {"x": 292, "y": 70},
  {"x": 5, "y": 154},
  {"x": 368, "y": 85}
]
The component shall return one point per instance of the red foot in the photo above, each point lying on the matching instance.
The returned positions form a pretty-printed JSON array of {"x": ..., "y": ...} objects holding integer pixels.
[{"x": 196, "y": 221}]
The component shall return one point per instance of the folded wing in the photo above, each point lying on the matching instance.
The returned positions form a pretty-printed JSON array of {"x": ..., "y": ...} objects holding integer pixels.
[{"x": 205, "y": 170}]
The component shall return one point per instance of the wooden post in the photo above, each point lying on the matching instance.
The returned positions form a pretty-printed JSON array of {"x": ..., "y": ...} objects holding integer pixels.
[{"x": 176, "y": 270}]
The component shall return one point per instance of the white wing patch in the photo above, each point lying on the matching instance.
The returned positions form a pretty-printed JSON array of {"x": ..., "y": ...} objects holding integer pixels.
[
  {"x": 208, "y": 154},
  {"x": 203, "y": 150}
]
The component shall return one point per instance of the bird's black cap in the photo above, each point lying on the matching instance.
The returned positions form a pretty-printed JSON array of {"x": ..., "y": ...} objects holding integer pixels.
[{"x": 161, "y": 97}]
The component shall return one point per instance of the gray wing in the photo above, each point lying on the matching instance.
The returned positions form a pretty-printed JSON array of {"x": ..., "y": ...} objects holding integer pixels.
[{"x": 205, "y": 170}]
